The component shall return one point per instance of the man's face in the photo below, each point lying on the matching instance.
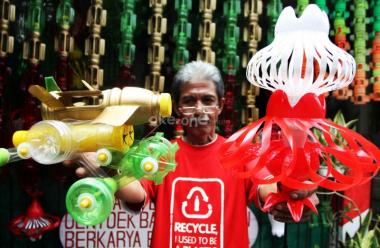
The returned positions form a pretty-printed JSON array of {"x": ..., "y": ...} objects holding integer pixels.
[{"x": 199, "y": 108}]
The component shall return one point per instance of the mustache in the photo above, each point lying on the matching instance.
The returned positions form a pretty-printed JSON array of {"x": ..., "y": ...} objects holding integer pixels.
[{"x": 203, "y": 118}]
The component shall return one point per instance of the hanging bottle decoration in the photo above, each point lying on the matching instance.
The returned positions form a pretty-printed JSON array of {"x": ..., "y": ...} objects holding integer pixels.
[
  {"x": 274, "y": 9},
  {"x": 292, "y": 155},
  {"x": 34, "y": 223},
  {"x": 20, "y": 33},
  {"x": 157, "y": 25},
  {"x": 301, "y": 5},
  {"x": 49, "y": 9},
  {"x": 206, "y": 31},
  {"x": 33, "y": 47},
  {"x": 231, "y": 64},
  {"x": 64, "y": 42},
  {"x": 322, "y": 5},
  {"x": 361, "y": 36},
  {"x": 33, "y": 53},
  {"x": 375, "y": 80},
  {"x": 182, "y": 32},
  {"x": 94, "y": 44},
  {"x": 340, "y": 16},
  {"x": 7, "y": 12},
  {"x": 252, "y": 34},
  {"x": 126, "y": 46}
]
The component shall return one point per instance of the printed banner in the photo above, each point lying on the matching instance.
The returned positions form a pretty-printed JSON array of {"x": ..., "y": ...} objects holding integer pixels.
[{"x": 123, "y": 228}]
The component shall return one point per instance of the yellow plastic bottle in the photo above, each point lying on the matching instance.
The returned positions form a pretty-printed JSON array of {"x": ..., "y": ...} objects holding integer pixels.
[{"x": 49, "y": 142}]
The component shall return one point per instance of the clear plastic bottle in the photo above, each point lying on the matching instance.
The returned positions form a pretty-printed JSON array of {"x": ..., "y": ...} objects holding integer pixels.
[{"x": 49, "y": 142}]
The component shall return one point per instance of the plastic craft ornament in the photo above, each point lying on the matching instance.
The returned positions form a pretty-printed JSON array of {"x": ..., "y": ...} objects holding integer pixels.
[
  {"x": 152, "y": 158},
  {"x": 299, "y": 66},
  {"x": 34, "y": 223},
  {"x": 90, "y": 200},
  {"x": 8, "y": 156},
  {"x": 50, "y": 141}
]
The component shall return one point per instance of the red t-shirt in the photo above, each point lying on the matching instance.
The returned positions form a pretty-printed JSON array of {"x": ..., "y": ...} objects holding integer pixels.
[{"x": 200, "y": 204}]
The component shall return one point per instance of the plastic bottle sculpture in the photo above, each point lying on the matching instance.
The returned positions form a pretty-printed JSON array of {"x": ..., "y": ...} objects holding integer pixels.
[
  {"x": 89, "y": 201},
  {"x": 181, "y": 33},
  {"x": 127, "y": 48},
  {"x": 152, "y": 158},
  {"x": 360, "y": 35},
  {"x": 375, "y": 52},
  {"x": 50, "y": 142},
  {"x": 341, "y": 32},
  {"x": 231, "y": 64},
  {"x": 299, "y": 66},
  {"x": 8, "y": 156},
  {"x": 34, "y": 223},
  {"x": 64, "y": 41}
]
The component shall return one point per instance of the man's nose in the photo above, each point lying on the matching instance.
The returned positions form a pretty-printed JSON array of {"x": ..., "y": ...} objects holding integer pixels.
[{"x": 198, "y": 108}]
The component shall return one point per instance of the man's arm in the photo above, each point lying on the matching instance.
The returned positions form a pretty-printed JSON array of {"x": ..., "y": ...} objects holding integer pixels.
[{"x": 132, "y": 193}]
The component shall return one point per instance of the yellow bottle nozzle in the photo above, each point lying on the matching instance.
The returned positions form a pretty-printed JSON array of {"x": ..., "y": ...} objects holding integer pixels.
[
  {"x": 148, "y": 166},
  {"x": 85, "y": 202},
  {"x": 19, "y": 137},
  {"x": 165, "y": 105},
  {"x": 102, "y": 157},
  {"x": 24, "y": 152}
]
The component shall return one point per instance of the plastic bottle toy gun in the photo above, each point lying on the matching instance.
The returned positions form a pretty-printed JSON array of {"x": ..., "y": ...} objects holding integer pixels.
[{"x": 90, "y": 200}]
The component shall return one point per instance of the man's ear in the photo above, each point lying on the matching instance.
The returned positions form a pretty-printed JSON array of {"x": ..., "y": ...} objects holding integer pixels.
[{"x": 221, "y": 105}]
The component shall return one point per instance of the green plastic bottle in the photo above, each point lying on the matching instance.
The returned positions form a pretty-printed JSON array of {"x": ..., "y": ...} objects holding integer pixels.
[
  {"x": 89, "y": 201},
  {"x": 8, "y": 156}
]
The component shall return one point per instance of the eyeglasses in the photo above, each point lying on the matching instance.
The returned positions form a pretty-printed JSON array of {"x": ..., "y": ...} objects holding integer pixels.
[{"x": 204, "y": 109}]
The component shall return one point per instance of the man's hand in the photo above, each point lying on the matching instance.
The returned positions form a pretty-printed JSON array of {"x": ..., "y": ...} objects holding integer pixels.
[
  {"x": 280, "y": 211},
  {"x": 132, "y": 193},
  {"x": 79, "y": 171},
  {"x": 83, "y": 162}
]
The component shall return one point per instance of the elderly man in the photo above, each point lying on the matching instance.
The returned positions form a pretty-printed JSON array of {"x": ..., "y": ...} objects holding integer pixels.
[{"x": 200, "y": 204}]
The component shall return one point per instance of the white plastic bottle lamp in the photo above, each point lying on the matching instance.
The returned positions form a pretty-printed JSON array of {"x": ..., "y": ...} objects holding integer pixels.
[{"x": 301, "y": 59}]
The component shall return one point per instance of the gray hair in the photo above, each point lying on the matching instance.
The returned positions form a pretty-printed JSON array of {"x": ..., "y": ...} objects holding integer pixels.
[{"x": 197, "y": 70}]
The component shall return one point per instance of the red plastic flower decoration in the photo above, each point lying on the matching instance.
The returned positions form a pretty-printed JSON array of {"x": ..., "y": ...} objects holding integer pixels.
[{"x": 34, "y": 223}]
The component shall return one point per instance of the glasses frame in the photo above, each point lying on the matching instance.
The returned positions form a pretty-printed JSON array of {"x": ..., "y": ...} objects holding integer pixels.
[{"x": 203, "y": 109}]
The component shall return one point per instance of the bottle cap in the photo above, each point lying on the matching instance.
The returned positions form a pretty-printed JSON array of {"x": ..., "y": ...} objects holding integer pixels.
[
  {"x": 19, "y": 137},
  {"x": 4, "y": 156},
  {"x": 165, "y": 105}
]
